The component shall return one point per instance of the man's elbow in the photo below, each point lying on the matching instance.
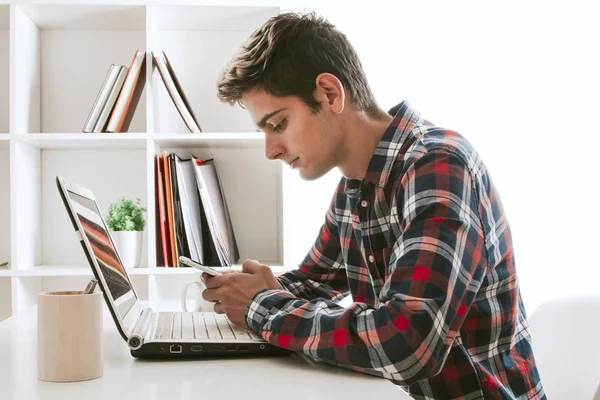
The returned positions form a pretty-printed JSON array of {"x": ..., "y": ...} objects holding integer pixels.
[
  {"x": 430, "y": 367},
  {"x": 433, "y": 366}
]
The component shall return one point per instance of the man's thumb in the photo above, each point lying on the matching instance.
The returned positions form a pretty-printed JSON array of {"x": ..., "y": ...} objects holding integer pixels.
[{"x": 251, "y": 266}]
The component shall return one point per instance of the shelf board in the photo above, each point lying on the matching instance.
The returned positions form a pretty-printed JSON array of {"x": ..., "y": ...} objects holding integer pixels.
[
  {"x": 213, "y": 18},
  {"x": 83, "y": 270},
  {"x": 229, "y": 139},
  {"x": 276, "y": 267},
  {"x": 133, "y": 140},
  {"x": 85, "y": 16},
  {"x": 72, "y": 270},
  {"x": 84, "y": 140}
]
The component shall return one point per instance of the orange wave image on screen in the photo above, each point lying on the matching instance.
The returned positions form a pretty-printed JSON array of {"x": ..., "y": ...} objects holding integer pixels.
[{"x": 103, "y": 250}]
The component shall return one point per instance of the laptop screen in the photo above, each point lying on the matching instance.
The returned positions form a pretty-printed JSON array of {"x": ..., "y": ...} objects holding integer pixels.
[{"x": 95, "y": 230}]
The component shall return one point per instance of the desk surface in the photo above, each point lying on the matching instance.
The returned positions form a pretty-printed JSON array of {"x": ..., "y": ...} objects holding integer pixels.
[{"x": 128, "y": 378}]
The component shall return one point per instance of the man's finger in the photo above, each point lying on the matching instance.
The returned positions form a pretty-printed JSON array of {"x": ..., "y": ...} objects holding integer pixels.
[
  {"x": 251, "y": 266},
  {"x": 212, "y": 295},
  {"x": 204, "y": 276},
  {"x": 219, "y": 309},
  {"x": 213, "y": 282}
]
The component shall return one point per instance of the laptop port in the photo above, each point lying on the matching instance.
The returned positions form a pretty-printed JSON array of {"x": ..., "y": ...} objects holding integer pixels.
[
  {"x": 195, "y": 348},
  {"x": 218, "y": 348},
  {"x": 243, "y": 348},
  {"x": 175, "y": 349},
  {"x": 230, "y": 348}
]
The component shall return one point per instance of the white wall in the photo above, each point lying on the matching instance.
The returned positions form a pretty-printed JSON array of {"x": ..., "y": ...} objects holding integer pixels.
[{"x": 521, "y": 81}]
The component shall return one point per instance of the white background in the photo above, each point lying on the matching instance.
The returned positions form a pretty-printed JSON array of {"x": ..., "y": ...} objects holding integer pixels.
[{"x": 520, "y": 80}]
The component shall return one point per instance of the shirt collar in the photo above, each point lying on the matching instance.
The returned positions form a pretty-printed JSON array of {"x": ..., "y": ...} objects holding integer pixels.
[{"x": 395, "y": 138}]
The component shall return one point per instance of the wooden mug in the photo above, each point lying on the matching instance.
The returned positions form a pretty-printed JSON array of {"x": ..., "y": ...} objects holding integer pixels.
[{"x": 69, "y": 334}]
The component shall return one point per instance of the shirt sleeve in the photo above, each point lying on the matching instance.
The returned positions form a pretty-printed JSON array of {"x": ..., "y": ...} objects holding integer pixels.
[
  {"x": 436, "y": 268},
  {"x": 322, "y": 274}
]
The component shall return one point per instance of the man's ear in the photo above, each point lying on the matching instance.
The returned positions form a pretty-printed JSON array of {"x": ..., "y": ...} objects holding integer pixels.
[{"x": 330, "y": 92}]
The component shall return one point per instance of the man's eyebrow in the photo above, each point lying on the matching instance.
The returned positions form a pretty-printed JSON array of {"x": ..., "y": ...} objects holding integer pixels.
[{"x": 264, "y": 119}]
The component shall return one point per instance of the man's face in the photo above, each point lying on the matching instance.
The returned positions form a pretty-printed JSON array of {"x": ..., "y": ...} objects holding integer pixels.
[{"x": 294, "y": 134}]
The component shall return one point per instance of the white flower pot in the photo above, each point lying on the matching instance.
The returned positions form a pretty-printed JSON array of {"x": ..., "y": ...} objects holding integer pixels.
[{"x": 129, "y": 246}]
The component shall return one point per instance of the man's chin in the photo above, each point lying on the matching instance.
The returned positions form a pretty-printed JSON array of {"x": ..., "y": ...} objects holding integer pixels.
[{"x": 308, "y": 175}]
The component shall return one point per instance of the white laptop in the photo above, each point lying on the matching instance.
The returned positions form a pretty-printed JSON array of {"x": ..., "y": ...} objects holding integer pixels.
[{"x": 151, "y": 334}]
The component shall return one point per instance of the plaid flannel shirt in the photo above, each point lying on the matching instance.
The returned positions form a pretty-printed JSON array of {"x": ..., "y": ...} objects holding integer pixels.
[{"x": 424, "y": 248}]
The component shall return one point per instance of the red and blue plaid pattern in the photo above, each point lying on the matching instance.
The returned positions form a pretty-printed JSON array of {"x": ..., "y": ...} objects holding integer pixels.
[{"x": 424, "y": 248}]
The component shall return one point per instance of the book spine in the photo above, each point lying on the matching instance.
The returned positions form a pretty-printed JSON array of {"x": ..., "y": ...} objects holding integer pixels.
[
  {"x": 101, "y": 98},
  {"x": 110, "y": 102}
]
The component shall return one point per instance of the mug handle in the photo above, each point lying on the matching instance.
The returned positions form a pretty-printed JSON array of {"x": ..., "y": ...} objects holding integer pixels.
[{"x": 198, "y": 306}]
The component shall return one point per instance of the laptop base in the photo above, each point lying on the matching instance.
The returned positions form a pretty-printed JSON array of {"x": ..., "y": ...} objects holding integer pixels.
[{"x": 204, "y": 350}]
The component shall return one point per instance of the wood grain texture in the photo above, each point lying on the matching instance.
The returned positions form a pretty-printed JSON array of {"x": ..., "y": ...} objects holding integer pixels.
[{"x": 69, "y": 336}]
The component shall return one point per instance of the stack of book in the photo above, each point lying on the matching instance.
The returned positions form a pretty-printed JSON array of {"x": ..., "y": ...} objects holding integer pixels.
[
  {"x": 118, "y": 97},
  {"x": 192, "y": 218},
  {"x": 120, "y": 93}
]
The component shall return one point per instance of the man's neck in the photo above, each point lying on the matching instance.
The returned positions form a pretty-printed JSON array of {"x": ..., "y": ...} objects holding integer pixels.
[{"x": 362, "y": 135}]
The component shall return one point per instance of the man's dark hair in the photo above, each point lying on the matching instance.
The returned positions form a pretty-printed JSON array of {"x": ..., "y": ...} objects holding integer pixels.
[{"x": 286, "y": 54}]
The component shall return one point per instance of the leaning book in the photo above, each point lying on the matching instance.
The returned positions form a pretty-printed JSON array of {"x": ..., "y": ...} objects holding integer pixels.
[
  {"x": 101, "y": 98},
  {"x": 215, "y": 209}
]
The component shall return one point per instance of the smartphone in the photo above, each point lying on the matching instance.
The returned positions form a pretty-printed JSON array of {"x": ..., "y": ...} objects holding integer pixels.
[{"x": 203, "y": 268}]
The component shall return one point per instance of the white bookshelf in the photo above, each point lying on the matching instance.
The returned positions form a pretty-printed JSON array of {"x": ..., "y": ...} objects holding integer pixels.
[{"x": 53, "y": 59}]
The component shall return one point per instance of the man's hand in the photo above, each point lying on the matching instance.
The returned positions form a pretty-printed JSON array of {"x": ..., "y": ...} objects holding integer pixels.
[{"x": 232, "y": 292}]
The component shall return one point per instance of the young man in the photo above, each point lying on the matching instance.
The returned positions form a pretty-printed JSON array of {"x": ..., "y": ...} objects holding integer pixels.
[{"x": 415, "y": 231}]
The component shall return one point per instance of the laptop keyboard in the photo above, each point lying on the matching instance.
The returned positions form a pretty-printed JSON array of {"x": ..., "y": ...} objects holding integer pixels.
[{"x": 198, "y": 325}]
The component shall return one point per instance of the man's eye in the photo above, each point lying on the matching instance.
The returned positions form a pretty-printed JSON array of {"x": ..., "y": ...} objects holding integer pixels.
[{"x": 279, "y": 127}]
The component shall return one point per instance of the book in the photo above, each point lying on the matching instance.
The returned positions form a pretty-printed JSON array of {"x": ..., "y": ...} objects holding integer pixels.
[
  {"x": 209, "y": 251},
  {"x": 190, "y": 206},
  {"x": 170, "y": 209},
  {"x": 216, "y": 211},
  {"x": 100, "y": 125},
  {"x": 101, "y": 98},
  {"x": 173, "y": 86},
  {"x": 130, "y": 94},
  {"x": 180, "y": 235},
  {"x": 162, "y": 228}
]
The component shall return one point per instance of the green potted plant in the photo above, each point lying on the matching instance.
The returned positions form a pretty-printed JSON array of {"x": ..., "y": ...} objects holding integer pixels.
[{"x": 126, "y": 222}]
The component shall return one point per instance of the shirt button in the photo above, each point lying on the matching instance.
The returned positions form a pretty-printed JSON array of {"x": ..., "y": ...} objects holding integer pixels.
[
  {"x": 371, "y": 258},
  {"x": 364, "y": 203}
]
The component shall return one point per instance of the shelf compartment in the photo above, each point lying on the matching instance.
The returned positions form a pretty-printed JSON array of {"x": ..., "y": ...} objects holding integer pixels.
[
  {"x": 215, "y": 33},
  {"x": 251, "y": 184},
  {"x": 59, "y": 73},
  {"x": 46, "y": 235}
]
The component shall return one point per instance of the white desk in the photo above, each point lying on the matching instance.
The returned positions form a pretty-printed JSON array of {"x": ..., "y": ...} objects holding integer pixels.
[{"x": 129, "y": 378}]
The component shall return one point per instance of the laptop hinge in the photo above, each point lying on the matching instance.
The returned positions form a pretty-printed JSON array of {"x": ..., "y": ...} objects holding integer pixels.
[{"x": 141, "y": 330}]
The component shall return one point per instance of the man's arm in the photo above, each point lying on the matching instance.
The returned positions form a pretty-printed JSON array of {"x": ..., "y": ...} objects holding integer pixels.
[
  {"x": 437, "y": 266},
  {"x": 322, "y": 274}
]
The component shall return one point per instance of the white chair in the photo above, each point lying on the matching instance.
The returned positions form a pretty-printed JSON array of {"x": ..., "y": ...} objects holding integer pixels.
[{"x": 566, "y": 346}]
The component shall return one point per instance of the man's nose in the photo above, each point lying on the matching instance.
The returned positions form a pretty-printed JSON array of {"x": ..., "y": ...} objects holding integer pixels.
[{"x": 273, "y": 148}]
